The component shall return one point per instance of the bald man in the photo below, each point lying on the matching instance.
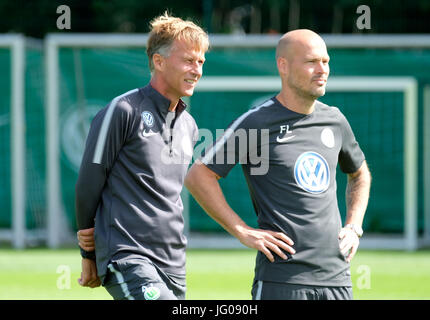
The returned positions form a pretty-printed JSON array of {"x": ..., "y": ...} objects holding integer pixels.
[{"x": 303, "y": 250}]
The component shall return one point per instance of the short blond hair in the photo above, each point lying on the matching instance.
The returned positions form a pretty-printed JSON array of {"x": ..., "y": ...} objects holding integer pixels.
[{"x": 165, "y": 29}]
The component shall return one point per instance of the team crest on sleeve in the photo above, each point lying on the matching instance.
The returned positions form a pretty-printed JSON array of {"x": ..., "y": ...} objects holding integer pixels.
[
  {"x": 312, "y": 172},
  {"x": 148, "y": 118}
]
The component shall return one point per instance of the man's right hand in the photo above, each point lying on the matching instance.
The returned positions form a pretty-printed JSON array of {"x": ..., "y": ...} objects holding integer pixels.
[
  {"x": 89, "y": 276},
  {"x": 86, "y": 239},
  {"x": 266, "y": 241},
  {"x": 203, "y": 184}
]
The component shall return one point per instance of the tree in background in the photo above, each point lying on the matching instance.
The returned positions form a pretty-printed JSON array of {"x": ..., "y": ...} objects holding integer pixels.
[{"x": 38, "y": 17}]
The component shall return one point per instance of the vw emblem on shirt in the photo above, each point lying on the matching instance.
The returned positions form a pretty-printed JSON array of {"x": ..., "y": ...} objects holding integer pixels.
[
  {"x": 148, "y": 118},
  {"x": 312, "y": 172}
]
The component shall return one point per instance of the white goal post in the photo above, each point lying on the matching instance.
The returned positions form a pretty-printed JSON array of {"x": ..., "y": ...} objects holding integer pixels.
[
  {"x": 405, "y": 84},
  {"x": 16, "y": 43},
  {"x": 426, "y": 162}
]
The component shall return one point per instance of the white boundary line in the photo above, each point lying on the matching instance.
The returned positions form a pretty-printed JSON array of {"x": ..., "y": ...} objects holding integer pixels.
[
  {"x": 17, "y": 45},
  {"x": 408, "y": 85}
]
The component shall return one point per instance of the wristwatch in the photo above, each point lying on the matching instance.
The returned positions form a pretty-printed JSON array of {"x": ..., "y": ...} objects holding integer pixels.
[{"x": 356, "y": 228}]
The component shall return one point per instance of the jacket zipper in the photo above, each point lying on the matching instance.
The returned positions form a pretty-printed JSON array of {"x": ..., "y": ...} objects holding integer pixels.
[{"x": 171, "y": 138}]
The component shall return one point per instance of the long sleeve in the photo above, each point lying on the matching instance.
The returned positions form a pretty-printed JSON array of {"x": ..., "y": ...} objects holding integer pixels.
[{"x": 108, "y": 132}]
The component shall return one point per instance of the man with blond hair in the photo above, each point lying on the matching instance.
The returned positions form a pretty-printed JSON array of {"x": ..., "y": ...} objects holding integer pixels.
[
  {"x": 304, "y": 252},
  {"x": 128, "y": 204}
]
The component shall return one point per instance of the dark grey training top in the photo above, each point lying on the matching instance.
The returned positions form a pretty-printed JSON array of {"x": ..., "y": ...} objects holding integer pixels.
[
  {"x": 296, "y": 193},
  {"x": 136, "y": 156}
]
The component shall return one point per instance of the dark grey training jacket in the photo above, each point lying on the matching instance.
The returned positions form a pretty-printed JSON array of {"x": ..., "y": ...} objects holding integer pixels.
[{"x": 136, "y": 157}]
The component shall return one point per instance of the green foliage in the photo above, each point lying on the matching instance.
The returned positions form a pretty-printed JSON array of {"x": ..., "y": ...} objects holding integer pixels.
[{"x": 38, "y": 17}]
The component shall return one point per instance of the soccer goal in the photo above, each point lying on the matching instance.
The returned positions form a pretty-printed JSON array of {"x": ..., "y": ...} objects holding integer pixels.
[
  {"x": 393, "y": 138},
  {"x": 12, "y": 129}
]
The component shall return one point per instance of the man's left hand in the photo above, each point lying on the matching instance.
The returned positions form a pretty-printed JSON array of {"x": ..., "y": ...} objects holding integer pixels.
[{"x": 349, "y": 242}]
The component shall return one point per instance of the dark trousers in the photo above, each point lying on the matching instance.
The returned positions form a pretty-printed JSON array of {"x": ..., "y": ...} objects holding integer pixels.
[
  {"x": 139, "y": 279},
  {"x": 266, "y": 290}
]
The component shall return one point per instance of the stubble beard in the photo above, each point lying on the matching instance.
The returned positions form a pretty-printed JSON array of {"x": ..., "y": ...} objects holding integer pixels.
[{"x": 306, "y": 93}]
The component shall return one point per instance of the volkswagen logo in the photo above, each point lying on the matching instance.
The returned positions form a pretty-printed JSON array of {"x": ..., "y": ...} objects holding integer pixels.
[
  {"x": 148, "y": 118},
  {"x": 312, "y": 172}
]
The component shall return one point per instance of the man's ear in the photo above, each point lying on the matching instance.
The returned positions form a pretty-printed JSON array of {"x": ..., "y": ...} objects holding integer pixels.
[
  {"x": 158, "y": 62},
  {"x": 282, "y": 65}
]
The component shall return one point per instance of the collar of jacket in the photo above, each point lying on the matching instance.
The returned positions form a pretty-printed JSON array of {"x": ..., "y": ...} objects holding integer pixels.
[{"x": 161, "y": 101}]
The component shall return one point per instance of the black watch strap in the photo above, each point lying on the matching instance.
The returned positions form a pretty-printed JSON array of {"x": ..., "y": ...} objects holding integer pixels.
[{"x": 88, "y": 254}]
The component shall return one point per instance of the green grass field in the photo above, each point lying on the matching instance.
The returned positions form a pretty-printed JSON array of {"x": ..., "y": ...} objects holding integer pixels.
[{"x": 212, "y": 274}]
